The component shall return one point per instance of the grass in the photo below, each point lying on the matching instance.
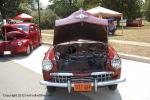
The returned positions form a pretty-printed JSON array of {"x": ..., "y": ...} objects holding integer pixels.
[
  {"x": 132, "y": 49},
  {"x": 139, "y": 34},
  {"x": 47, "y": 39},
  {"x": 50, "y": 31}
]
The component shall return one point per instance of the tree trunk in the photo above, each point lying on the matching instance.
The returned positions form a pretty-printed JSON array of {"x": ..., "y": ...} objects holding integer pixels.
[
  {"x": 118, "y": 22},
  {"x": 3, "y": 14},
  {"x": 148, "y": 19}
]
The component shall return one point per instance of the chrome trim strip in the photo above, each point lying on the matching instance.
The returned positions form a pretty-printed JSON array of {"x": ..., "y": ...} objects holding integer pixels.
[
  {"x": 61, "y": 74},
  {"x": 71, "y": 74},
  {"x": 69, "y": 86},
  {"x": 101, "y": 73},
  {"x": 111, "y": 82},
  {"x": 95, "y": 84}
]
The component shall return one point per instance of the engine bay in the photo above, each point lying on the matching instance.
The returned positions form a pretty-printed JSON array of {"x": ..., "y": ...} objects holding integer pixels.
[{"x": 81, "y": 56}]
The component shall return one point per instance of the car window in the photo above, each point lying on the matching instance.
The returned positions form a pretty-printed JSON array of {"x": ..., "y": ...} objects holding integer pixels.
[
  {"x": 23, "y": 28},
  {"x": 32, "y": 28}
]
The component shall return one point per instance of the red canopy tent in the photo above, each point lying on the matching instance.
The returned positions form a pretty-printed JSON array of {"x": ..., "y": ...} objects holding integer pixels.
[{"x": 23, "y": 16}]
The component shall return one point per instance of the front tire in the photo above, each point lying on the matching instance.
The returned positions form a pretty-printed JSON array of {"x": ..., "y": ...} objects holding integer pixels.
[
  {"x": 51, "y": 89},
  {"x": 113, "y": 87},
  {"x": 1, "y": 55},
  {"x": 28, "y": 50}
]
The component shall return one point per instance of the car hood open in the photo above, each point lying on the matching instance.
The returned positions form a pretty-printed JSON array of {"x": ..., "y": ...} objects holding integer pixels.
[
  {"x": 80, "y": 25},
  {"x": 11, "y": 31}
]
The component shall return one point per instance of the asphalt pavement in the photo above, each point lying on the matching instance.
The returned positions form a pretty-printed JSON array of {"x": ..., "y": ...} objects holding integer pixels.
[{"x": 20, "y": 76}]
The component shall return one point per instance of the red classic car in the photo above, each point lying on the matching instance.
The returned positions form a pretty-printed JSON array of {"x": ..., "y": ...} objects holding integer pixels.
[
  {"x": 80, "y": 58},
  {"x": 19, "y": 38}
]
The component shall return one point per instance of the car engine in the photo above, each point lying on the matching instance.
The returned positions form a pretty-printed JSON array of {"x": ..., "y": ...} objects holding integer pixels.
[{"x": 83, "y": 56}]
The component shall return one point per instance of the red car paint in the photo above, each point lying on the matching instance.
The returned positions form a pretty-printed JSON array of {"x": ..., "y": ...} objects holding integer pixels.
[
  {"x": 80, "y": 39},
  {"x": 17, "y": 37}
]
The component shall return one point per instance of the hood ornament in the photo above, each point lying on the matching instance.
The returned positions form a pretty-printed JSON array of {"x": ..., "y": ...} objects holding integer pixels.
[{"x": 81, "y": 16}]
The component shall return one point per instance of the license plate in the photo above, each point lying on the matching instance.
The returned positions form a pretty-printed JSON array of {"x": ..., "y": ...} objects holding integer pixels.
[
  {"x": 82, "y": 87},
  {"x": 7, "y": 52}
]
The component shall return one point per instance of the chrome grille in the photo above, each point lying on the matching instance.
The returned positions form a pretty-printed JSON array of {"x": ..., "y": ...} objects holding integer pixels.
[
  {"x": 100, "y": 77},
  {"x": 8, "y": 47}
]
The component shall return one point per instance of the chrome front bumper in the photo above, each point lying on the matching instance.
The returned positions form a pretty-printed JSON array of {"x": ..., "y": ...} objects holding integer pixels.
[{"x": 69, "y": 84}]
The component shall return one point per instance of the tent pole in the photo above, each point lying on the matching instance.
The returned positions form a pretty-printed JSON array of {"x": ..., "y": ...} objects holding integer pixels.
[
  {"x": 122, "y": 24},
  {"x": 5, "y": 22},
  {"x": 100, "y": 16},
  {"x": 39, "y": 15}
]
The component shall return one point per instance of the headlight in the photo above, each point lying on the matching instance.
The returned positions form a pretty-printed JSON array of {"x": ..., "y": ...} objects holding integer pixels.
[
  {"x": 47, "y": 65},
  {"x": 19, "y": 43},
  {"x": 116, "y": 62}
]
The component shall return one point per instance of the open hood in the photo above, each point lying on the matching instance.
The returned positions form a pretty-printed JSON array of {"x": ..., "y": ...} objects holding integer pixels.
[
  {"x": 9, "y": 31},
  {"x": 80, "y": 25}
]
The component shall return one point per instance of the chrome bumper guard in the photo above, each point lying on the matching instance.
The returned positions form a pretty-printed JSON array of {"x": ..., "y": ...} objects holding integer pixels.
[{"x": 69, "y": 84}]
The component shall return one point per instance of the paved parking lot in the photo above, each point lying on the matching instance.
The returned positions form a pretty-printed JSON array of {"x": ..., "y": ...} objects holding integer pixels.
[{"x": 136, "y": 87}]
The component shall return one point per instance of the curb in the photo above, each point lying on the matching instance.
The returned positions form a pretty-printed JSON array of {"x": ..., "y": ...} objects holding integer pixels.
[
  {"x": 134, "y": 57},
  {"x": 143, "y": 44},
  {"x": 46, "y": 43},
  {"x": 123, "y": 55}
]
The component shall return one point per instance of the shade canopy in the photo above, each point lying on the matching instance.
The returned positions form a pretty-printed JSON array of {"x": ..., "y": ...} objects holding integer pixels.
[
  {"x": 103, "y": 12},
  {"x": 23, "y": 16}
]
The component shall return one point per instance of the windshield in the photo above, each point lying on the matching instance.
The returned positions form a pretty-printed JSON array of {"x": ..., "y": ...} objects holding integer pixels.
[{"x": 23, "y": 28}]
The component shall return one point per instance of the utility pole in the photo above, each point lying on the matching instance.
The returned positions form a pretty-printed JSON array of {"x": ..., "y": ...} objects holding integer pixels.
[
  {"x": 39, "y": 15},
  {"x": 39, "y": 20}
]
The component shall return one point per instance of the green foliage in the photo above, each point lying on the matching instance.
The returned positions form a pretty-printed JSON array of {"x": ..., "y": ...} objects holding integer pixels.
[
  {"x": 48, "y": 18},
  {"x": 63, "y": 8},
  {"x": 147, "y": 9},
  {"x": 10, "y": 8},
  {"x": 130, "y": 8}
]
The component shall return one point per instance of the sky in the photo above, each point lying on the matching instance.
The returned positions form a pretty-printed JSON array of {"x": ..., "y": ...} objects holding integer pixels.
[{"x": 44, "y": 3}]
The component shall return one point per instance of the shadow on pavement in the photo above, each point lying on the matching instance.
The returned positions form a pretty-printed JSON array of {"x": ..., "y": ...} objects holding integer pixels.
[
  {"x": 102, "y": 94},
  {"x": 62, "y": 94},
  {"x": 6, "y": 58}
]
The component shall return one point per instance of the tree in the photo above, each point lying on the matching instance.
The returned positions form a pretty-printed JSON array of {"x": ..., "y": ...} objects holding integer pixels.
[
  {"x": 63, "y": 8},
  {"x": 10, "y": 8},
  {"x": 147, "y": 9},
  {"x": 48, "y": 18},
  {"x": 130, "y": 8}
]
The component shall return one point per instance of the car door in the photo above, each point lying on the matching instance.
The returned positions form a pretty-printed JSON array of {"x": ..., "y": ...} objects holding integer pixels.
[
  {"x": 33, "y": 35},
  {"x": 38, "y": 38}
]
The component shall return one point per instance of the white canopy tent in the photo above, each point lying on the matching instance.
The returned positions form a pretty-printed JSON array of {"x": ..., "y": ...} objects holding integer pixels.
[{"x": 103, "y": 12}]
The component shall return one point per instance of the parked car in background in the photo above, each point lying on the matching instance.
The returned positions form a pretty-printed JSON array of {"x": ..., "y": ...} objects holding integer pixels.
[
  {"x": 111, "y": 26},
  {"x": 134, "y": 23},
  {"x": 81, "y": 59},
  {"x": 19, "y": 38}
]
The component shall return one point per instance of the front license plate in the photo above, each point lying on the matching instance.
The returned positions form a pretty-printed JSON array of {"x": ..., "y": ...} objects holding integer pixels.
[
  {"x": 82, "y": 87},
  {"x": 7, "y": 52}
]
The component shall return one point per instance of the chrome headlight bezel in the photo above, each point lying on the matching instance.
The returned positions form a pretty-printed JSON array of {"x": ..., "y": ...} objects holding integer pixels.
[
  {"x": 116, "y": 62},
  {"x": 19, "y": 43},
  {"x": 47, "y": 65}
]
